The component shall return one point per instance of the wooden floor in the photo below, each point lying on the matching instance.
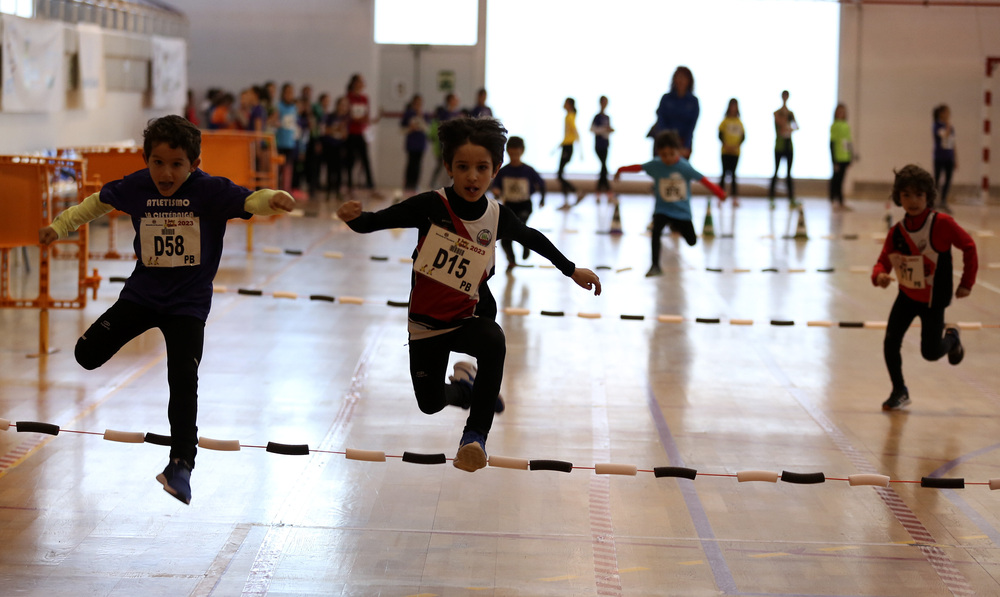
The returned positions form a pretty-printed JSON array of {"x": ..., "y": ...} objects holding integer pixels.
[{"x": 84, "y": 516}]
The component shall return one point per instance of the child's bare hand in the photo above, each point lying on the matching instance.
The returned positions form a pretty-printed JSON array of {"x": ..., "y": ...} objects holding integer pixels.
[
  {"x": 281, "y": 200},
  {"x": 587, "y": 279},
  {"x": 883, "y": 280},
  {"x": 349, "y": 211},
  {"x": 47, "y": 235},
  {"x": 618, "y": 176},
  {"x": 962, "y": 292}
]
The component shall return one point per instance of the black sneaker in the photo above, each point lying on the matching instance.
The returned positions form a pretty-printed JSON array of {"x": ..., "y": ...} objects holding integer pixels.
[
  {"x": 896, "y": 400},
  {"x": 654, "y": 271},
  {"x": 957, "y": 352},
  {"x": 176, "y": 480}
]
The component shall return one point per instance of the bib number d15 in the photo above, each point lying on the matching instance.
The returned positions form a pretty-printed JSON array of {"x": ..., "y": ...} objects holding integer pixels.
[{"x": 452, "y": 260}]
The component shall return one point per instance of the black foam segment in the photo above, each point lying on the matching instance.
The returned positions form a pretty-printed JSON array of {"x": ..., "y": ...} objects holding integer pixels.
[
  {"x": 553, "y": 313},
  {"x": 321, "y": 297},
  {"x": 159, "y": 440},
  {"x": 954, "y": 483},
  {"x": 851, "y": 324},
  {"x": 35, "y": 427},
  {"x": 675, "y": 471},
  {"x": 634, "y": 317},
  {"x": 289, "y": 449},
  {"x": 398, "y": 303},
  {"x": 551, "y": 465},
  {"x": 424, "y": 458},
  {"x": 707, "y": 320},
  {"x": 803, "y": 478},
  {"x": 250, "y": 292}
]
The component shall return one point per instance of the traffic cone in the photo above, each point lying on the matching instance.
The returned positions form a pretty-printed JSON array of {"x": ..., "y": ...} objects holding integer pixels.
[
  {"x": 616, "y": 221},
  {"x": 800, "y": 228},
  {"x": 708, "y": 230}
]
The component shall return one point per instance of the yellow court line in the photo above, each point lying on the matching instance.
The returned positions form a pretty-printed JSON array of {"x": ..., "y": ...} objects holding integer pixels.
[
  {"x": 558, "y": 578},
  {"x": 635, "y": 569},
  {"x": 770, "y": 555},
  {"x": 691, "y": 563},
  {"x": 975, "y": 537}
]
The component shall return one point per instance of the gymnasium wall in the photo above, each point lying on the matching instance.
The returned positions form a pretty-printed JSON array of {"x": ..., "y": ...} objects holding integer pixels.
[{"x": 896, "y": 64}]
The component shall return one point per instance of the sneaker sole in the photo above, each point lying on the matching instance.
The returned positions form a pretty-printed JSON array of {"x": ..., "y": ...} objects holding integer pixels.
[
  {"x": 897, "y": 407},
  {"x": 470, "y": 457}
]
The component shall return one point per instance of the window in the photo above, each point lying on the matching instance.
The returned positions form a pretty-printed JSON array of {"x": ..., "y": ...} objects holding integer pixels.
[
  {"x": 434, "y": 22},
  {"x": 20, "y": 8}
]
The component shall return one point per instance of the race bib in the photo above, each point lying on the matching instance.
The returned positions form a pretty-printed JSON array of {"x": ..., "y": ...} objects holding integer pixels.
[
  {"x": 909, "y": 270},
  {"x": 452, "y": 260},
  {"x": 516, "y": 189},
  {"x": 672, "y": 189},
  {"x": 170, "y": 242}
]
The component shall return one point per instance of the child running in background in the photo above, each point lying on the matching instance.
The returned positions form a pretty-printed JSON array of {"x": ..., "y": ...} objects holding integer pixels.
[
  {"x": 601, "y": 127},
  {"x": 451, "y": 307},
  {"x": 570, "y": 137},
  {"x": 918, "y": 248},
  {"x": 179, "y": 214},
  {"x": 672, "y": 176},
  {"x": 732, "y": 135},
  {"x": 515, "y": 183},
  {"x": 414, "y": 124}
]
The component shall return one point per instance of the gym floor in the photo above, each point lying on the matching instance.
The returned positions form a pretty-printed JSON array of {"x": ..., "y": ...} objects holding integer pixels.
[{"x": 84, "y": 516}]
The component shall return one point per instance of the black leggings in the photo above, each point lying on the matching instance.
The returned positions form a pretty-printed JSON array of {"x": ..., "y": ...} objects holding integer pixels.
[
  {"x": 357, "y": 149},
  {"x": 729, "y": 163},
  {"x": 602, "y": 178},
  {"x": 946, "y": 167},
  {"x": 481, "y": 338},
  {"x": 521, "y": 209},
  {"x": 414, "y": 160},
  {"x": 787, "y": 154},
  {"x": 566, "y": 186},
  {"x": 933, "y": 343},
  {"x": 185, "y": 339},
  {"x": 684, "y": 227},
  {"x": 837, "y": 182}
]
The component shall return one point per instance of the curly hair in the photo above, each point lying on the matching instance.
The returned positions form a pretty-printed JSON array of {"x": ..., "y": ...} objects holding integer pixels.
[
  {"x": 485, "y": 132},
  {"x": 668, "y": 138},
  {"x": 176, "y": 131},
  {"x": 914, "y": 179}
]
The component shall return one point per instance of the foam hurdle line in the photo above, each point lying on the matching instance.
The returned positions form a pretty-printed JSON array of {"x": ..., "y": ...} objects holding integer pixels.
[
  {"x": 615, "y": 469},
  {"x": 516, "y": 311},
  {"x": 221, "y": 445},
  {"x": 4, "y": 424},
  {"x": 589, "y": 315},
  {"x": 127, "y": 437},
  {"x": 284, "y": 294},
  {"x": 36, "y": 427},
  {"x": 365, "y": 455},
  {"x": 520, "y": 464},
  {"x": 352, "y": 300},
  {"x": 763, "y": 476},
  {"x": 416, "y": 458}
]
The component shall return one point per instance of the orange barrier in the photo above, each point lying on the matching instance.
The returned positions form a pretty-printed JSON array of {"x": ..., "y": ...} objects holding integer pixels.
[
  {"x": 28, "y": 194},
  {"x": 247, "y": 158}
]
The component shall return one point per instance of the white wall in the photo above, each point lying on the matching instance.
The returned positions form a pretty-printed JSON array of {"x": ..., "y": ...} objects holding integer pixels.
[{"x": 896, "y": 64}]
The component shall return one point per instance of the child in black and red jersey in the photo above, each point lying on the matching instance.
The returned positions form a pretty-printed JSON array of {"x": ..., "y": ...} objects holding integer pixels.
[
  {"x": 179, "y": 214},
  {"x": 451, "y": 307},
  {"x": 918, "y": 248}
]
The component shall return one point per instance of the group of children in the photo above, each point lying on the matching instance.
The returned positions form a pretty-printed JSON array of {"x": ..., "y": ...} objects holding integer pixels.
[{"x": 179, "y": 215}]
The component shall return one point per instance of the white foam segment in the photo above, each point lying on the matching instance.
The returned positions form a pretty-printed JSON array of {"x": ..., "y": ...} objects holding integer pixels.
[
  {"x": 520, "y": 464},
  {"x": 271, "y": 250},
  {"x": 219, "y": 288},
  {"x": 366, "y": 455},
  {"x": 740, "y": 322},
  {"x": 985, "y": 233},
  {"x": 589, "y": 315},
  {"x": 765, "y": 476},
  {"x": 994, "y": 265},
  {"x": 860, "y": 269},
  {"x": 670, "y": 318},
  {"x": 623, "y": 269},
  {"x": 406, "y": 260},
  {"x": 869, "y": 479},
  {"x": 222, "y": 445},
  {"x": 571, "y": 231},
  {"x": 516, "y": 311},
  {"x": 4, "y": 424},
  {"x": 797, "y": 270},
  {"x": 742, "y": 270},
  {"x": 127, "y": 437},
  {"x": 547, "y": 266},
  {"x": 285, "y": 294},
  {"x": 333, "y": 255},
  {"x": 970, "y": 325},
  {"x": 615, "y": 469},
  {"x": 876, "y": 325},
  {"x": 297, "y": 213},
  {"x": 820, "y": 324},
  {"x": 994, "y": 483},
  {"x": 352, "y": 300}
]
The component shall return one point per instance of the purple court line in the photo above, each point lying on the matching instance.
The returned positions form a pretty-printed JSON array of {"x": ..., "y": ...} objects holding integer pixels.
[
  {"x": 959, "y": 502},
  {"x": 272, "y": 546},
  {"x": 713, "y": 552}
]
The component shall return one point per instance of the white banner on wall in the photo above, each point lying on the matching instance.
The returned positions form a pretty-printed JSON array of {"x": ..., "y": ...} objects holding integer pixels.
[
  {"x": 169, "y": 73},
  {"x": 91, "y": 66},
  {"x": 33, "y": 76}
]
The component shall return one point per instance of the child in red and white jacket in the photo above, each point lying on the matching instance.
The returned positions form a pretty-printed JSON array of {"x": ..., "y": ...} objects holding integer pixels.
[{"x": 918, "y": 248}]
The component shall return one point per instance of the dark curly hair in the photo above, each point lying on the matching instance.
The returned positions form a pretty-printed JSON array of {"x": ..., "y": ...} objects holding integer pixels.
[
  {"x": 176, "y": 131},
  {"x": 668, "y": 138},
  {"x": 914, "y": 179},
  {"x": 485, "y": 132}
]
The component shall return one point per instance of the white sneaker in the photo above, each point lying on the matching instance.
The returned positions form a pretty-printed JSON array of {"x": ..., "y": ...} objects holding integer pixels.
[{"x": 464, "y": 371}]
